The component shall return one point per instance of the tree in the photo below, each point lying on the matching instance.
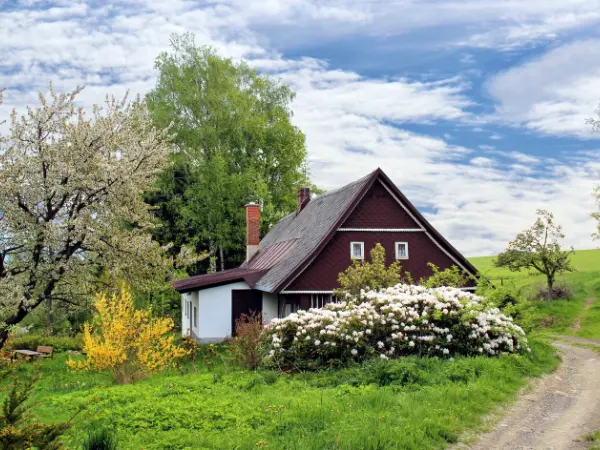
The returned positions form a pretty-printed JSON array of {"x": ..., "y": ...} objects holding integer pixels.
[
  {"x": 236, "y": 144},
  {"x": 19, "y": 428},
  {"x": 538, "y": 248},
  {"x": 370, "y": 275},
  {"x": 595, "y": 123},
  {"x": 128, "y": 342},
  {"x": 72, "y": 213}
]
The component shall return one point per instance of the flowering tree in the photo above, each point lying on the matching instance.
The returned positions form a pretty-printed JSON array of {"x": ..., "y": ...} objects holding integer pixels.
[
  {"x": 538, "y": 248},
  {"x": 71, "y": 212},
  {"x": 129, "y": 343},
  {"x": 397, "y": 321}
]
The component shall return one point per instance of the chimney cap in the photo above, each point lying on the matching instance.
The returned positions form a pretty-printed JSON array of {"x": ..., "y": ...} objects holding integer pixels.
[{"x": 252, "y": 204}]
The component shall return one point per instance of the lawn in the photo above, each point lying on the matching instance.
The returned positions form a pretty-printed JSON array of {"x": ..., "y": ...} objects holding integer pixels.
[
  {"x": 412, "y": 403},
  {"x": 559, "y": 316}
]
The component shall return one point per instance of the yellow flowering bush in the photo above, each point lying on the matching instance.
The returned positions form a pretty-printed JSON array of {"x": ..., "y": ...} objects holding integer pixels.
[{"x": 128, "y": 342}]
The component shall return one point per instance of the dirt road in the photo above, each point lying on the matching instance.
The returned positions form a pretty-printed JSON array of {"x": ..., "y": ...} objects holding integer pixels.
[{"x": 560, "y": 410}]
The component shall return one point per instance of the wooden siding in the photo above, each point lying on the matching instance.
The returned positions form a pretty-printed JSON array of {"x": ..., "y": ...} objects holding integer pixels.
[{"x": 378, "y": 209}]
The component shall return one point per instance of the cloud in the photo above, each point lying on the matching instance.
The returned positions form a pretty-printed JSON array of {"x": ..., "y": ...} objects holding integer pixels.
[
  {"x": 552, "y": 94},
  {"x": 353, "y": 123}
]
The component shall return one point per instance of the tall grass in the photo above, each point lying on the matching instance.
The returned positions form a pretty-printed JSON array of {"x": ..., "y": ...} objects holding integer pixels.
[{"x": 410, "y": 403}]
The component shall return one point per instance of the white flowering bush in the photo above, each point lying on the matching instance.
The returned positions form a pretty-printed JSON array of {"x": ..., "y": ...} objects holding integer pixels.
[{"x": 397, "y": 321}]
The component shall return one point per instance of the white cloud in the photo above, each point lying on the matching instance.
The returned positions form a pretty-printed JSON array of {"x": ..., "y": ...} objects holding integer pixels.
[
  {"x": 478, "y": 202},
  {"x": 552, "y": 94}
]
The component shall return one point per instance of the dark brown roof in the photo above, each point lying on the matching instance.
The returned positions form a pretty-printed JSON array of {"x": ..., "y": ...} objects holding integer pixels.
[
  {"x": 294, "y": 242},
  {"x": 218, "y": 278}
]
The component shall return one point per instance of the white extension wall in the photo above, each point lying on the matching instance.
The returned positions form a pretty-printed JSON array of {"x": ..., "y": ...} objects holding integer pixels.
[
  {"x": 270, "y": 307},
  {"x": 213, "y": 311}
]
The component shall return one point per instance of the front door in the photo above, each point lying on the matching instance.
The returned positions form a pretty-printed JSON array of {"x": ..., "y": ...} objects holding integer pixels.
[{"x": 244, "y": 301}]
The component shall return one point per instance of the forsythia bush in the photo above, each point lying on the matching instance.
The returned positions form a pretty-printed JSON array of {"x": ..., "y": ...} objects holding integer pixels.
[
  {"x": 130, "y": 343},
  {"x": 392, "y": 322}
]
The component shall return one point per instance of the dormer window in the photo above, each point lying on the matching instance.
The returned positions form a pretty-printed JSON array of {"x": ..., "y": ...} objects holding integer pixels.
[
  {"x": 357, "y": 250},
  {"x": 401, "y": 250}
]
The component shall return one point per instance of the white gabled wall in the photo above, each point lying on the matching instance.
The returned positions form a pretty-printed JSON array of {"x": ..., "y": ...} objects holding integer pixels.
[
  {"x": 270, "y": 306},
  {"x": 185, "y": 318},
  {"x": 214, "y": 311}
]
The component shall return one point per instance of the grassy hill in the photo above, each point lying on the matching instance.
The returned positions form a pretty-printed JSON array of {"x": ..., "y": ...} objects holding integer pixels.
[{"x": 573, "y": 317}]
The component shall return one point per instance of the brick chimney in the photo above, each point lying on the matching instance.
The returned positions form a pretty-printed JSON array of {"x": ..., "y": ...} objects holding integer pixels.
[
  {"x": 303, "y": 198},
  {"x": 252, "y": 229}
]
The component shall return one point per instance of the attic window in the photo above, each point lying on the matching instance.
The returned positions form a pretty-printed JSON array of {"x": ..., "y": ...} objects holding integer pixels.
[
  {"x": 357, "y": 250},
  {"x": 401, "y": 250}
]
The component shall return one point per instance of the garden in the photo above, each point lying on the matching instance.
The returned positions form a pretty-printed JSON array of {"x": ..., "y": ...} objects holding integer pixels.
[{"x": 424, "y": 395}]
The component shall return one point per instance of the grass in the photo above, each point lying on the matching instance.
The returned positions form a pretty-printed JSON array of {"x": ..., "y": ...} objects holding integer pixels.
[
  {"x": 558, "y": 316},
  {"x": 411, "y": 403}
]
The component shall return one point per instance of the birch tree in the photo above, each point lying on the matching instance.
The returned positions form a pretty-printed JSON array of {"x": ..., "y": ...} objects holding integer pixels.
[
  {"x": 72, "y": 213},
  {"x": 232, "y": 127}
]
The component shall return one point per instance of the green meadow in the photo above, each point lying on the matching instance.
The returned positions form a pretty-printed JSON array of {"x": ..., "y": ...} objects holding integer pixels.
[{"x": 409, "y": 403}]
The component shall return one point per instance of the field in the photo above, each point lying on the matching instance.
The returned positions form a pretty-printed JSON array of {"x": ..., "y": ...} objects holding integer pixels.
[
  {"x": 562, "y": 317},
  {"x": 411, "y": 403}
]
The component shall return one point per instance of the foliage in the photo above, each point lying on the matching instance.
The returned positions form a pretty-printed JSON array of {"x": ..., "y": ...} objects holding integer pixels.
[
  {"x": 19, "y": 428},
  {"x": 32, "y": 341},
  {"x": 561, "y": 291},
  {"x": 245, "y": 347},
  {"x": 236, "y": 144},
  {"x": 409, "y": 403},
  {"x": 192, "y": 349},
  {"x": 129, "y": 343},
  {"x": 80, "y": 215},
  {"x": 389, "y": 323},
  {"x": 100, "y": 439},
  {"x": 363, "y": 275},
  {"x": 451, "y": 277},
  {"x": 575, "y": 317},
  {"x": 538, "y": 248}
]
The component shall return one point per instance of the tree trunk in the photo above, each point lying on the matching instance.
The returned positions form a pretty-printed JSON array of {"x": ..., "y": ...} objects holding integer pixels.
[
  {"x": 221, "y": 258},
  {"x": 550, "y": 280},
  {"x": 213, "y": 259},
  {"x": 3, "y": 337},
  {"x": 49, "y": 318}
]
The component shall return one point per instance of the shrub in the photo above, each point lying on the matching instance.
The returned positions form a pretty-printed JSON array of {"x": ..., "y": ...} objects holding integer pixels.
[
  {"x": 129, "y": 343},
  {"x": 558, "y": 292},
  {"x": 392, "y": 322},
  {"x": 452, "y": 276},
  {"x": 100, "y": 439},
  {"x": 373, "y": 274},
  {"x": 19, "y": 428},
  {"x": 32, "y": 341},
  {"x": 245, "y": 347}
]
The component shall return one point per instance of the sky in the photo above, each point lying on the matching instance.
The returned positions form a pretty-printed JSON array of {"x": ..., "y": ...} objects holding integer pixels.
[{"x": 475, "y": 108}]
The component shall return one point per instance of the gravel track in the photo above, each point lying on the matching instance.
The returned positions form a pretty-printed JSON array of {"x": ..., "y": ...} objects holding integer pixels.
[{"x": 559, "y": 411}]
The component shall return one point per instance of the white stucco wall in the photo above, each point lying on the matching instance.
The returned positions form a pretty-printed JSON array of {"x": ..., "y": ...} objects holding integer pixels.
[
  {"x": 270, "y": 306},
  {"x": 185, "y": 319},
  {"x": 214, "y": 311}
]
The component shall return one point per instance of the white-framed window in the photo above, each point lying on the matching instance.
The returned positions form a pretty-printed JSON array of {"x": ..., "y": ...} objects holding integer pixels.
[
  {"x": 195, "y": 318},
  {"x": 401, "y": 250},
  {"x": 357, "y": 250},
  {"x": 187, "y": 308},
  {"x": 320, "y": 300}
]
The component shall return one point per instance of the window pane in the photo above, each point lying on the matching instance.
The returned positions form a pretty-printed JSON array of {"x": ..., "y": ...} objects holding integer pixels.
[{"x": 357, "y": 250}]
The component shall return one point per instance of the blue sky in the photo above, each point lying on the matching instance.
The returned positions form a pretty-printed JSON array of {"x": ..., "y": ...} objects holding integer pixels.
[{"x": 475, "y": 108}]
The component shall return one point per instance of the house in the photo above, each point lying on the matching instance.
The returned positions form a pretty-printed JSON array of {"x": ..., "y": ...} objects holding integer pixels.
[{"x": 296, "y": 265}]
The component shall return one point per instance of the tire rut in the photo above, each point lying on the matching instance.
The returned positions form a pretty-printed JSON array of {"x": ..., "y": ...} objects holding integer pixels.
[{"x": 557, "y": 414}]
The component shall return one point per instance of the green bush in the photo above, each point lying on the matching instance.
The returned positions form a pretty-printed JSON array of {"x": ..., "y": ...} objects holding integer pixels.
[
  {"x": 100, "y": 439},
  {"x": 32, "y": 341}
]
